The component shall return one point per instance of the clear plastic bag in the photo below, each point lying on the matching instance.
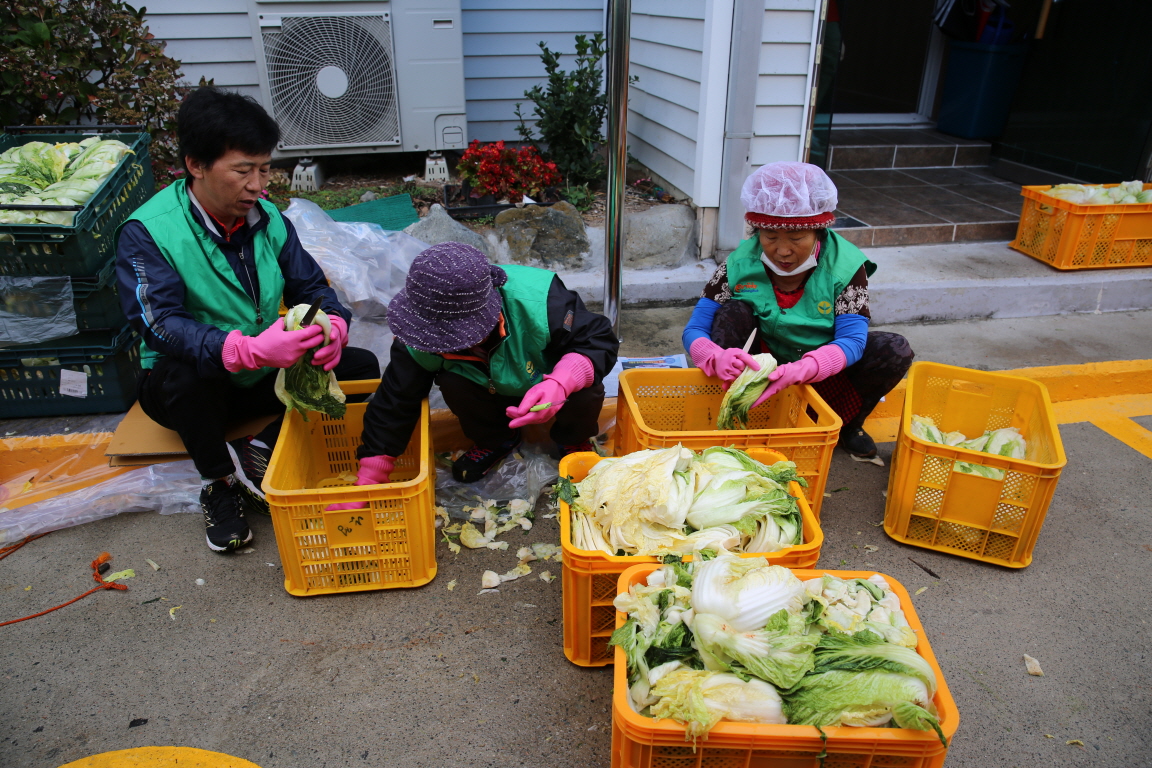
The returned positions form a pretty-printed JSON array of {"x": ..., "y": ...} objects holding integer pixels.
[
  {"x": 35, "y": 309},
  {"x": 167, "y": 488},
  {"x": 365, "y": 263},
  {"x": 523, "y": 475}
]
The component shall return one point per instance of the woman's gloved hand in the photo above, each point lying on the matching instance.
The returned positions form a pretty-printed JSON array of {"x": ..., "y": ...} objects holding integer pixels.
[
  {"x": 724, "y": 364},
  {"x": 374, "y": 470},
  {"x": 274, "y": 347},
  {"x": 800, "y": 372},
  {"x": 329, "y": 356},
  {"x": 573, "y": 373}
]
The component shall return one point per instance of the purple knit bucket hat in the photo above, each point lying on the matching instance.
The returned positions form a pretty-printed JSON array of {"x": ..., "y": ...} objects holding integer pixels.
[{"x": 449, "y": 301}]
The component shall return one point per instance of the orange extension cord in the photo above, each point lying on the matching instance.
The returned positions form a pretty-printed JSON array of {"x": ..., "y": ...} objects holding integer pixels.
[{"x": 101, "y": 584}]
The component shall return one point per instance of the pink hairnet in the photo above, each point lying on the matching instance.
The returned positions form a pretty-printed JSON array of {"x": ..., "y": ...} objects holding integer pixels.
[{"x": 789, "y": 190}]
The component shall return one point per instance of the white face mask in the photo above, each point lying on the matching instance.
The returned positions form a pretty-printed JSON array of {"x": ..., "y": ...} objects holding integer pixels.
[{"x": 807, "y": 264}]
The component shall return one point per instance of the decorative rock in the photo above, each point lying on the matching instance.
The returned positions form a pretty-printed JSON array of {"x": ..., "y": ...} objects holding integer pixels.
[
  {"x": 438, "y": 227},
  {"x": 661, "y": 237},
  {"x": 552, "y": 237},
  {"x": 367, "y": 196}
]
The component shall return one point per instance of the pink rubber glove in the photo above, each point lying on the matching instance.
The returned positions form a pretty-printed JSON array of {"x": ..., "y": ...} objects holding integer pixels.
[
  {"x": 816, "y": 365},
  {"x": 725, "y": 364},
  {"x": 275, "y": 347},
  {"x": 573, "y": 373},
  {"x": 374, "y": 470},
  {"x": 329, "y": 356}
]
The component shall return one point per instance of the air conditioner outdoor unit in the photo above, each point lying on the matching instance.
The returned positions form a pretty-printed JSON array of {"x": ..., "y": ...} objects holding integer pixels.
[{"x": 352, "y": 77}]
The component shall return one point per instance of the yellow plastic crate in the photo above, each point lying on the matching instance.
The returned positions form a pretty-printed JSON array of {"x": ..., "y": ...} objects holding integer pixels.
[
  {"x": 645, "y": 742},
  {"x": 589, "y": 578},
  {"x": 388, "y": 543},
  {"x": 932, "y": 506},
  {"x": 1070, "y": 236},
  {"x": 662, "y": 407}
]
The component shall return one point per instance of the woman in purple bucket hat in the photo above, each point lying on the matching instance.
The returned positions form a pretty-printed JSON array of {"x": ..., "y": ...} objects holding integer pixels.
[{"x": 500, "y": 342}]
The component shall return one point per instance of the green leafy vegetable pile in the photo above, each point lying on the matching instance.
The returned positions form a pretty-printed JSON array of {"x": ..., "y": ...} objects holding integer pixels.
[
  {"x": 38, "y": 173},
  {"x": 1125, "y": 193},
  {"x": 743, "y": 393},
  {"x": 308, "y": 387},
  {"x": 673, "y": 500},
  {"x": 738, "y": 639},
  {"x": 999, "y": 442}
]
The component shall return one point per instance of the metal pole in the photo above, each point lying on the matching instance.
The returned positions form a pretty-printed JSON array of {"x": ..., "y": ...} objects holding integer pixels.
[{"x": 619, "y": 19}]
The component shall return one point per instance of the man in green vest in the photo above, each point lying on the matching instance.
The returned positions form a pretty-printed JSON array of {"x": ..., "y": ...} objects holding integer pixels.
[
  {"x": 508, "y": 346},
  {"x": 201, "y": 269}
]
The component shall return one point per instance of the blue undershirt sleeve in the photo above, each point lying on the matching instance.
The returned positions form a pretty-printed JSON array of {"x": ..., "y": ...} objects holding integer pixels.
[
  {"x": 700, "y": 324},
  {"x": 850, "y": 333}
]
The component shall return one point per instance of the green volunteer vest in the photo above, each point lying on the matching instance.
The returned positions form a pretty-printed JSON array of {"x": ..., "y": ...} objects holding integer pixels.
[
  {"x": 518, "y": 362},
  {"x": 213, "y": 294},
  {"x": 792, "y": 332}
]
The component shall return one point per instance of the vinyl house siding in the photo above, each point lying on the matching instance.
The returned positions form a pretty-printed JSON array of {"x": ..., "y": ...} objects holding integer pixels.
[
  {"x": 502, "y": 58},
  {"x": 212, "y": 38}
]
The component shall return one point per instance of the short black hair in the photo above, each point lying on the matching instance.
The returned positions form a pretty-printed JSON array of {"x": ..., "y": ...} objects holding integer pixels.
[{"x": 211, "y": 122}]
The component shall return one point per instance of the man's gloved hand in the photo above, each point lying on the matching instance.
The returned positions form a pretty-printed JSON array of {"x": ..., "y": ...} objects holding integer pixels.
[
  {"x": 724, "y": 364},
  {"x": 374, "y": 470},
  {"x": 329, "y": 356},
  {"x": 274, "y": 347},
  {"x": 800, "y": 372},
  {"x": 573, "y": 373}
]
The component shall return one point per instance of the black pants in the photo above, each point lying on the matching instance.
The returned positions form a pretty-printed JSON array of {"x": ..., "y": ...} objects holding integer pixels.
[
  {"x": 201, "y": 410},
  {"x": 483, "y": 420},
  {"x": 854, "y": 392}
]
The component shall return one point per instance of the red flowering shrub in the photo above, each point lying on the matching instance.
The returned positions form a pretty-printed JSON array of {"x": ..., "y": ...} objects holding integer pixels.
[{"x": 504, "y": 172}]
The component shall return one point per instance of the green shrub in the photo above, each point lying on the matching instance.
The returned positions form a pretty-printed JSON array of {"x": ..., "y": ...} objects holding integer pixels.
[
  {"x": 68, "y": 61},
  {"x": 570, "y": 110}
]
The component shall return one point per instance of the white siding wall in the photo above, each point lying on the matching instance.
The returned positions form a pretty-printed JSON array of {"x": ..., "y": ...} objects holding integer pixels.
[
  {"x": 663, "y": 107},
  {"x": 212, "y": 38},
  {"x": 784, "y": 82},
  {"x": 502, "y": 58}
]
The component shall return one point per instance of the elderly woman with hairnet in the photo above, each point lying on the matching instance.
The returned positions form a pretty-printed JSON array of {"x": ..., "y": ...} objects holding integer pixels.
[{"x": 803, "y": 291}]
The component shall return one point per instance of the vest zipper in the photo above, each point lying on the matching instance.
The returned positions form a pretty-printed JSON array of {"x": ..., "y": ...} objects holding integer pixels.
[{"x": 252, "y": 285}]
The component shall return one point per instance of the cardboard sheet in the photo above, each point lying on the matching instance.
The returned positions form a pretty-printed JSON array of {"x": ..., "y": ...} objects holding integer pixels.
[{"x": 139, "y": 441}]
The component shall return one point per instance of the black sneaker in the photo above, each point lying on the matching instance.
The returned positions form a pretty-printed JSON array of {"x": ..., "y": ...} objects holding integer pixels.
[
  {"x": 251, "y": 465},
  {"x": 477, "y": 461},
  {"x": 224, "y": 524},
  {"x": 857, "y": 442}
]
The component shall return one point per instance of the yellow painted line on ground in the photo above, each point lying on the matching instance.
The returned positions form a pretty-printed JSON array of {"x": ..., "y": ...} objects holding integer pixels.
[
  {"x": 1128, "y": 432},
  {"x": 161, "y": 757}
]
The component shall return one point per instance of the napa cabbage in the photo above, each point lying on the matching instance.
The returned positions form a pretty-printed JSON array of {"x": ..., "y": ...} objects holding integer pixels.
[
  {"x": 308, "y": 387},
  {"x": 744, "y": 392},
  {"x": 860, "y": 680},
  {"x": 699, "y": 700}
]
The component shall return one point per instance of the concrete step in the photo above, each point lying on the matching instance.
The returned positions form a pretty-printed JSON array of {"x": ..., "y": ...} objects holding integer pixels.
[
  {"x": 871, "y": 148},
  {"x": 928, "y": 283}
]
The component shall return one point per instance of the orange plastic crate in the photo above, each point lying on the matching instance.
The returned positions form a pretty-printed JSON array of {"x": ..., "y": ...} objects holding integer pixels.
[
  {"x": 589, "y": 578},
  {"x": 389, "y": 543},
  {"x": 643, "y": 742},
  {"x": 663, "y": 407},
  {"x": 1070, "y": 236},
  {"x": 932, "y": 506}
]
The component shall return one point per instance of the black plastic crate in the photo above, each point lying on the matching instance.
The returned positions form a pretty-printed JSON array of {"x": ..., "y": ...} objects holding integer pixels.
[
  {"x": 97, "y": 301},
  {"x": 30, "y": 375},
  {"x": 83, "y": 248},
  {"x": 478, "y": 207}
]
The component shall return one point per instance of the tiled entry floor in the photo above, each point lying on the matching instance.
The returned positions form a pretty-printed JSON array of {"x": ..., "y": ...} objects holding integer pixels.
[{"x": 925, "y": 205}]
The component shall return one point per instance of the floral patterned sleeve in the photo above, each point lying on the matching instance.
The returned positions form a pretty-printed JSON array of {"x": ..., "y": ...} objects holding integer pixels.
[
  {"x": 854, "y": 299},
  {"x": 717, "y": 289}
]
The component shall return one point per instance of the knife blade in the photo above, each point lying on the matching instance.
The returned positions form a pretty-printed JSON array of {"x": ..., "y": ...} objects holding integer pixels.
[
  {"x": 748, "y": 344},
  {"x": 310, "y": 315}
]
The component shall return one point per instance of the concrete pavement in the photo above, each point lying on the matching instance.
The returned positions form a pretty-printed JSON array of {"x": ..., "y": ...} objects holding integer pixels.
[{"x": 432, "y": 677}]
